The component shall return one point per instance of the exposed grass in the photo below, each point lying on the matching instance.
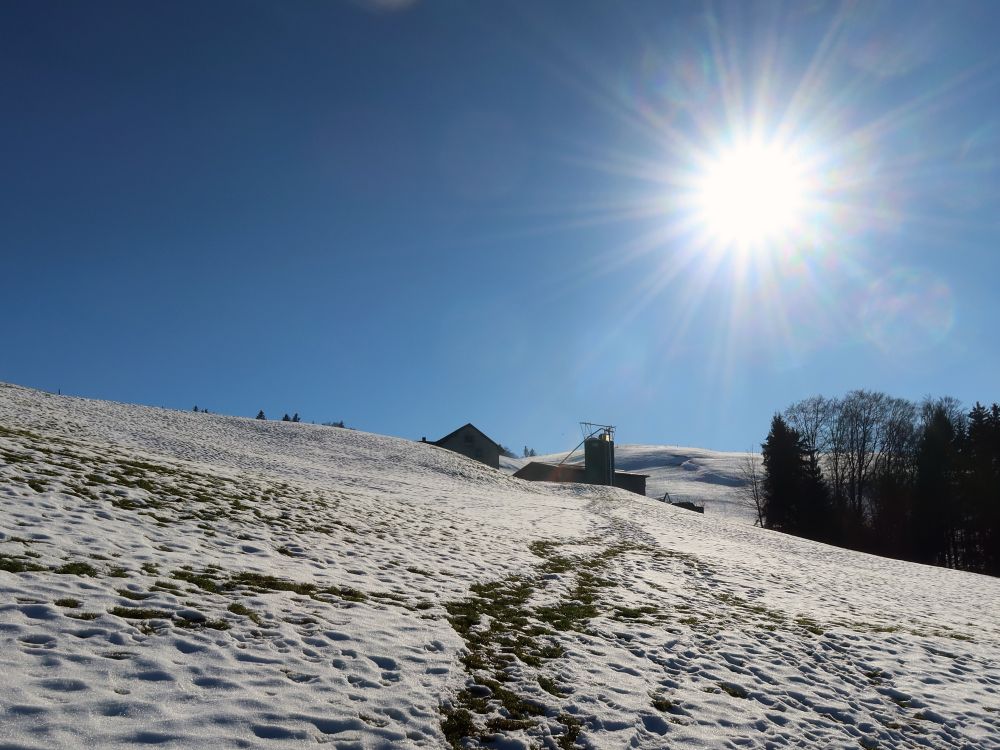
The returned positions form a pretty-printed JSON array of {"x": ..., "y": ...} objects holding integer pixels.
[
  {"x": 567, "y": 740},
  {"x": 68, "y": 602},
  {"x": 635, "y": 613},
  {"x": 134, "y": 613},
  {"x": 83, "y": 615},
  {"x": 550, "y": 686},
  {"x": 77, "y": 569},
  {"x": 239, "y": 609},
  {"x": 19, "y": 565},
  {"x": 810, "y": 625},
  {"x": 662, "y": 703},
  {"x": 504, "y": 634},
  {"x": 733, "y": 689},
  {"x": 203, "y": 580},
  {"x": 133, "y": 595},
  {"x": 456, "y": 725}
]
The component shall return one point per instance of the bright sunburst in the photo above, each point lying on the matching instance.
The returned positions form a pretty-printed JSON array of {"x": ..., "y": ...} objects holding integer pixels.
[{"x": 750, "y": 195}]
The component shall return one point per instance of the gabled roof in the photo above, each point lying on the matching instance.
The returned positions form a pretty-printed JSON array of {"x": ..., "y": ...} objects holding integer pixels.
[{"x": 470, "y": 425}]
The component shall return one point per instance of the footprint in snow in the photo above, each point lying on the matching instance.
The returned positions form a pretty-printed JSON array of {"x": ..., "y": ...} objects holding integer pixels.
[{"x": 37, "y": 640}]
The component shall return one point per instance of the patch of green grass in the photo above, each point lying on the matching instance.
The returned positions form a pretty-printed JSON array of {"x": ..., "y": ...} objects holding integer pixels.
[
  {"x": 634, "y": 613},
  {"x": 239, "y": 609},
  {"x": 579, "y": 607},
  {"x": 133, "y": 595},
  {"x": 77, "y": 569},
  {"x": 201, "y": 580},
  {"x": 196, "y": 624},
  {"x": 567, "y": 740},
  {"x": 135, "y": 613},
  {"x": 554, "y": 562},
  {"x": 550, "y": 686},
  {"x": 84, "y": 615},
  {"x": 457, "y": 724},
  {"x": 68, "y": 602},
  {"x": 117, "y": 572},
  {"x": 809, "y": 624},
  {"x": 261, "y": 582},
  {"x": 19, "y": 565}
]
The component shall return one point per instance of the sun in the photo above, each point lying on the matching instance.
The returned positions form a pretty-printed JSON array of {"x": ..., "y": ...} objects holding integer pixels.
[{"x": 751, "y": 195}]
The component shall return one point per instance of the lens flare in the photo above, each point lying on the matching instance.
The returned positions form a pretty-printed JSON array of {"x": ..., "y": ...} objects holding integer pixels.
[{"x": 751, "y": 194}]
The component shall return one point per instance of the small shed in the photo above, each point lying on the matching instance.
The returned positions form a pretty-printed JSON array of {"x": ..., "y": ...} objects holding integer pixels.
[{"x": 470, "y": 441}]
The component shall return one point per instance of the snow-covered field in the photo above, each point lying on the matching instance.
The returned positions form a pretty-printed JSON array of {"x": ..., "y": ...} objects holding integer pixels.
[
  {"x": 697, "y": 475},
  {"x": 191, "y": 580}
]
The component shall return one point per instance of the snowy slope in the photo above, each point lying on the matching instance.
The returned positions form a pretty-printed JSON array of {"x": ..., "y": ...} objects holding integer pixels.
[
  {"x": 190, "y": 580},
  {"x": 697, "y": 475}
]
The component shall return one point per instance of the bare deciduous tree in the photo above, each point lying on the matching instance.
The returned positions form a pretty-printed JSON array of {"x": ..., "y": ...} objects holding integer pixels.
[{"x": 752, "y": 491}]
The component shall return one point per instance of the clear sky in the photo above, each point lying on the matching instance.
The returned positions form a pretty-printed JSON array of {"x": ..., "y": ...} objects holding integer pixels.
[{"x": 410, "y": 215}]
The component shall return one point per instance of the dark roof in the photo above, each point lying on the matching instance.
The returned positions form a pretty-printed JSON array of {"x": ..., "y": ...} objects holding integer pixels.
[
  {"x": 574, "y": 467},
  {"x": 467, "y": 424},
  {"x": 542, "y": 471}
]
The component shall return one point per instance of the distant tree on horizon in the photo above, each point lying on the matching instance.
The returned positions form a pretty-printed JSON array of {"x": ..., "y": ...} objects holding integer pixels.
[
  {"x": 260, "y": 415},
  {"x": 505, "y": 451},
  {"x": 286, "y": 418},
  {"x": 529, "y": 452},
  {"x": 295, "y": 417}
]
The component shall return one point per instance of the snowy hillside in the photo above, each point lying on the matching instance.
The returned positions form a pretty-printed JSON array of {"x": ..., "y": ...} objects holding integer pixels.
[
  {"x": 697, "y": 475},
  {"x": 190, "y": 580}
]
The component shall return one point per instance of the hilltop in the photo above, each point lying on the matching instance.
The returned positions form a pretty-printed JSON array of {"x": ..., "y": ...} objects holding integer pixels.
[
  {"x": 192, "y": 580},
  {"x": 698, "y": 475}
]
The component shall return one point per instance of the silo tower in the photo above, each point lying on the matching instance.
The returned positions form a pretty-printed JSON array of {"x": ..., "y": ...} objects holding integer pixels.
[{"x": 599, "y": 453}]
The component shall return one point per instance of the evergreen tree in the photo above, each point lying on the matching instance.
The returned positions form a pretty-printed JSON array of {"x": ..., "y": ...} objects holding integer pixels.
[
  {"x": 286, "y": 418},
  {"x": 295, "y": 417},
  {"x": 794, "y": 495},
  {"x": 260, "y": 414},
  {"x": 780, "y": 454},
  {"x": 935, "y": 498}
]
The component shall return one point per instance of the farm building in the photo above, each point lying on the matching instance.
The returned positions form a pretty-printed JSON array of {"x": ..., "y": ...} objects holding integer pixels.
[
  {"x": 598, "y": 467},
  {"x": 470, "y": 441}
]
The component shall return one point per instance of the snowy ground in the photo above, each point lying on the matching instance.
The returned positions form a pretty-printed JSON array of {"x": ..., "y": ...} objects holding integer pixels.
[
  {"x": 697, "y": 475},
  {"x": 191, "y": 580}
]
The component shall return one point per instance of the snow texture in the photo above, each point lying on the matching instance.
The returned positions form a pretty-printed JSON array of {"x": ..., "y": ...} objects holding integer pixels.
[{"x": 189, "y": 580}]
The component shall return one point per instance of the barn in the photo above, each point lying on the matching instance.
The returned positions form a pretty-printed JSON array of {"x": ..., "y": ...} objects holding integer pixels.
[{"x": 470, "y": 441}]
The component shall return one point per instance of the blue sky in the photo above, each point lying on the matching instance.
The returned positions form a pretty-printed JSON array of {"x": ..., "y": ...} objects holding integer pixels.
[{"x": 410, "y": 215}]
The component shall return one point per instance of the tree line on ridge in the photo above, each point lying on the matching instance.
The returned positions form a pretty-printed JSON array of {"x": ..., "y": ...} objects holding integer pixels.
[{"x": 868, "y": 471}]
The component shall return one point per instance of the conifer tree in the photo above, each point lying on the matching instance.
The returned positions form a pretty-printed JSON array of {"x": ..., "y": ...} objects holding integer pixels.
[{"x": 260, "y": 414}]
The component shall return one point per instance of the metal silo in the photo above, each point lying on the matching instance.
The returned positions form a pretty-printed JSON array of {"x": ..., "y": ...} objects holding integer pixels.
[{"x": 599, "y": 458}]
